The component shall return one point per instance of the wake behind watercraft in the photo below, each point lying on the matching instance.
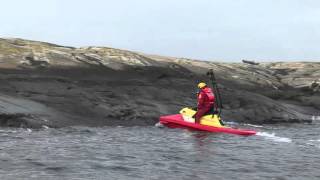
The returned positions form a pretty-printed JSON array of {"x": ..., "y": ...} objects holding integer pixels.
[{"x": 210, "y": 122}]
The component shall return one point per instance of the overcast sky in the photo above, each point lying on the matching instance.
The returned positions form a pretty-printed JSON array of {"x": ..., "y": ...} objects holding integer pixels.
[{"x": 228, "y": 30}]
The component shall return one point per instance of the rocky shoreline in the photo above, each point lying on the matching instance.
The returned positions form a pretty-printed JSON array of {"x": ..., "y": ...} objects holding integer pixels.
[{"x": 44, "y": 84}]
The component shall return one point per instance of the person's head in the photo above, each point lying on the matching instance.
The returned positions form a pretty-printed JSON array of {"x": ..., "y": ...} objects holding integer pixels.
[{"x": 202, "y": 85}]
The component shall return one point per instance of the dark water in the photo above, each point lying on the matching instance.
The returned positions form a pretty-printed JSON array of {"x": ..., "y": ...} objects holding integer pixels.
[{"x": 278, "y": 152}]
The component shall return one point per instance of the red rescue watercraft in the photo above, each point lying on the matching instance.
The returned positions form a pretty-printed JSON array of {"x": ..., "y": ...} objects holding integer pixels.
[{"x": 208, "y": 123}]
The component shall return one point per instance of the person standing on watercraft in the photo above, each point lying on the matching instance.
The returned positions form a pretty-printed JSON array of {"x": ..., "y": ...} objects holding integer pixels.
[{"x": 206, "y": 100}]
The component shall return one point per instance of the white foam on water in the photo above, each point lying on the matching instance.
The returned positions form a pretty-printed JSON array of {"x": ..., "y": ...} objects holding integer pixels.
[
  {"x": 253, "y": 125},
  {"x": 314, "y": 143},
  {"x": 315, "y": 118},
  {"x": 273, "y": 137},
  {"x": 159, "y": 125},
  {"x": 312, "y": 140},
  {"x": 8, "y": 131},
  {"x": 230, "y": 123},
  {"x": 45, "y": 127}
]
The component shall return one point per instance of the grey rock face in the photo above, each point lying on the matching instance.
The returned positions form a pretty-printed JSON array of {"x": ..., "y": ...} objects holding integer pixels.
[{"x": 44, "y": 84}]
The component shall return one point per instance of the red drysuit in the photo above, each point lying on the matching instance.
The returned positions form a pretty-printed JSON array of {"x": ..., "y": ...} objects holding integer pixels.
[{"x": 205, "y": 102}]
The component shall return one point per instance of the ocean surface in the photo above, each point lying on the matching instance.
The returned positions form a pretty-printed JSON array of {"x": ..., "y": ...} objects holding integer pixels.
[{"x": 277, "y": 152}]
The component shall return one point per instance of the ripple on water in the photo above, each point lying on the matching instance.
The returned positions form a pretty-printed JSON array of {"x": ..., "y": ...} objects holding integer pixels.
[{"x": 158, "y": 153}]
